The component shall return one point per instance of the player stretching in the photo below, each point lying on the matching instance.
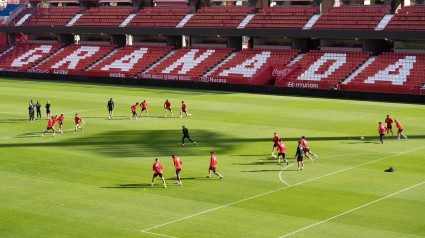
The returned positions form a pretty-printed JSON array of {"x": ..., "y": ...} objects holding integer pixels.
[
  {"x": 282, "y": 151},
  {"x": 134, "y": 110},
  {"x": 389, "y": 122},
  {"x": 50, "y": 126},
  {"x": 307, "y": 150},
  {"x": 110, "y": 107},
  {"x": 381, "y": 130},
  {"x": 299, "y": 156},
  {"x": 78, "y": 123},
  {"x": 400, "y": 129},
  {"x": 60, "y": 121},
  {"x": 157, "y": 168},
  {"x": 178, "y": 165},
  {"x": 276, "y": 142},
  {"x": 186, "y": 135},
  {"x": 213, "y": 166},
  {"x": 144, "y": 106},
  {"x": 184, "y": 109},
  {"x": 167, "y": 106}
]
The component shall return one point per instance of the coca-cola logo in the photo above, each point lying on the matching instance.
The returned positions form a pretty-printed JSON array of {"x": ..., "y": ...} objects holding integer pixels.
[{"x": 279, "y": 72}]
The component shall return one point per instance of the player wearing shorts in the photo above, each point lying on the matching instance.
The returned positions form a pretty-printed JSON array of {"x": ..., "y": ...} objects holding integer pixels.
[
  {"x": 50, "y": 126},
  {"x": 186, "y": 135},
  {"x": 178, "y": 165},
  {"x": 134, "y": 110},
  {"x": 157, "y": 168},
  {"x": 299, "y": 156},
  {"x": 144, "y": 106},
  {"x": 60, "y": 121},
  {"x": 400, "y": 129},
  {"x": 48, "y": 109},
  {"x": 78, "y": 123},
  {"x": 38, "y": 107},
  {"x": 381, "y": 131},
  {"x": 282, "y": 151},
  {"x": 184, "y": 109},
  {"x": 275, "y": 143},
  {"x": 167, "y": 106},
  {"x": 389, "y": 122},
  {"x": 213, "y": 166},
  {"x": 307, "y": 149},
  {"x": 110, "y": 107}
]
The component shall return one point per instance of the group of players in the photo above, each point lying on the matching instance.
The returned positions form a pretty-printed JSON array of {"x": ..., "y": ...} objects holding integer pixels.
[
  {"x": 53, "y": 119},
  {"x": 389, "y": 128}
]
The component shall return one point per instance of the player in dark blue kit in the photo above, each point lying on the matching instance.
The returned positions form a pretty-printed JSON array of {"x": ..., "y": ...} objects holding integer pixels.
[
  {"x": 299, "y": 156},
  {"x": 186, "y": 135},
  {"x": 110, "y": 108}
]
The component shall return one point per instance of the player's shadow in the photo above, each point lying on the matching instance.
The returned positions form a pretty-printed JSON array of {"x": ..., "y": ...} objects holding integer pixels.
[
  {"x": 268, "y": 162},
  {"x": 262, "y": 170},
  {"x": 148, "y": 185},
  {"x": 29, "y": 134},
  {"x": 14, "y": 120}
]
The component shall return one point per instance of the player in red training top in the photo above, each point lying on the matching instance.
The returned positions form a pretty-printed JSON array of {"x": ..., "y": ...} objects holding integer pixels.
[
  {"x": 167, "y": 106},
  {"x": 381, "y": 130},
  {"x": 307, "y": 149},
  {"x": 134, "y": 110},
  {"x": 60, "y": 121},
  {"x": 157, "y": 168},
  {"x": 213, "y": 166},
  {"x": 178, "y": 165},
  {"x": 50, "y": 126},
  {"x": 400, "y": 129},
  {"x": 79, "y": 123},
  {"x": 389, "y": 122},
  {"x": 275, "y": 143},
  {"x": 282, "y": 151},
  {"x": 184, "y": 109},
  {"x": 144, "y": 106}
]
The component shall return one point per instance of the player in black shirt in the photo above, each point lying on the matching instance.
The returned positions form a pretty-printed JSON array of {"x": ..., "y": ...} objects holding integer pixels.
[
  {"x": 110, "y": 107},
  {"x": 48, "y": 109},
  {"x": 299, "y": 156},
  {"x": 31, "y": 111},
  {"x": 186, "y": 135},
  {"x": 38, "y": 106}
]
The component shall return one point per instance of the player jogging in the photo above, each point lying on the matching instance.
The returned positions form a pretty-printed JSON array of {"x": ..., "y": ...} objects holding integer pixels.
[
  {"x": 110, "y": 107},
  {"x": 275, "y": 143},
  {"x": 400, "y": 129},
  {"x": 178, "y": 165},
  {"x": 157, "y": 168},
  {"x": 282, "y": 151},
  {"x": 389, "y": 122},
  {"x": 299, "y": 156},
  {"x": 60, "y": 121},
  {"x": 186, "y": 135},
  {"x": 184, "y": 109},
  {"x": 78, "y": 123},
  {"x": 307, "y": 149},
  {"x": 134, "y": 110},
  {"x": 381, "y": 130},
  {"x": 144, "y": 106},
  {"x": 50, "y": 126},
  {"x": 167, "y": 106},
  {"x": 213, "y": 166}
]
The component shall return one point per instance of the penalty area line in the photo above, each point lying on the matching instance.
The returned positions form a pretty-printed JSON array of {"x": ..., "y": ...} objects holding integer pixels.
[
  {"x": 352, "y": 210},
  {"x": 280, "y": 174}
]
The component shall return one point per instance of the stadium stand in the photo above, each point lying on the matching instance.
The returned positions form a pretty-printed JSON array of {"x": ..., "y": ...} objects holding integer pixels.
[
  {"x": 408, "y": 18},
  {"x": 18, "y": 17},
  {"x": 282, "y": 17},
  {"x": 3, "y": 47},
  {"x": 8, "y": 9},
  {"x": 52, "y": 16},
  {"x": 131, "y": 59},
  {"x": 351, "y": 17},
  {"x": 221, "y": 17},
  {"x": 104, "y": 16},
  {"x": 159, "y": 16}
]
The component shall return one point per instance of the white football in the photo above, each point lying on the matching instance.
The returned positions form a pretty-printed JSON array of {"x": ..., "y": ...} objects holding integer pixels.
[
  {"x": 274, "y": 156},
  {"x": 362, "y": 138},
  {"x": 175, "y": 176}
]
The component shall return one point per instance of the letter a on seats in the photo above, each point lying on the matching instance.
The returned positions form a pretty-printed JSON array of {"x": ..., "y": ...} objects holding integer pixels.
[
  {"x": 80, "y": 54},
  {"x": 396, "y": 73},
  {"x": 31, "y": 56},
  {"x": 249, "y": 67},
  {"x": 311, "y": 73},
  {"x": 188, "y": 61},
  {"x": 127, "y": 62}
]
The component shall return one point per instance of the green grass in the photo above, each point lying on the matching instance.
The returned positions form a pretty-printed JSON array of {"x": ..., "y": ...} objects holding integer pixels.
[{"x": 102, "y": 175}]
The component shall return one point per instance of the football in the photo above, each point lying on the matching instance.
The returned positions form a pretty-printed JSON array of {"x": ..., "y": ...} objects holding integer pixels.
[
  {"x": 362, "y": 138},
  {"x": 274, "y": 156}
]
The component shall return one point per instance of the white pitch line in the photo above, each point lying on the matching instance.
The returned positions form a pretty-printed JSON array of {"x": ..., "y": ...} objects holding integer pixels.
[
  {"x": 280, "y": 174},
  {"x": 354, "y": 209},
  {"x": 259, "y": 195},
  {"x": 157, "y": 234}
]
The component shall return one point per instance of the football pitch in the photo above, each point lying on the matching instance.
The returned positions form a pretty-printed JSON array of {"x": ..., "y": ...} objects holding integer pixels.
[{"x": 96, "y": 182}]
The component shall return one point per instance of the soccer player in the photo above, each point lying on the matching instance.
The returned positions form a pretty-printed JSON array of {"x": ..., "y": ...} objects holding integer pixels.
[
  {"x": 400, "y": 129},
  {"x": 110, "y": 107},
  {"x": 275, "y": 143},
  {"x": 134, "y": 110},
  {"x": 186, "y": 135},
  {"x": 144, "y": 106},
  {"x": 31, "y": 111},
  {"x": 299, "y": 156},
  {"x": 78, "y": 123},
  {"x": 157, "y": 168},
  {"x": 48, "y": 109},
  {"x": 381, "y": 130},
  {"x": 167, "y": 106},
  {"x": 50, "y": 126},
  {"x": 60, "y": 121},
  {"x": 184, "y": 109},
  {"x": 38, "y": 106},
  {"x": 307, "y": 149},
  {"x": 389, "y": 122},
  {"x": 178, "y": 165},
  {"x": 282, "y": 151},
  {"x": 213, "y": 166}
]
